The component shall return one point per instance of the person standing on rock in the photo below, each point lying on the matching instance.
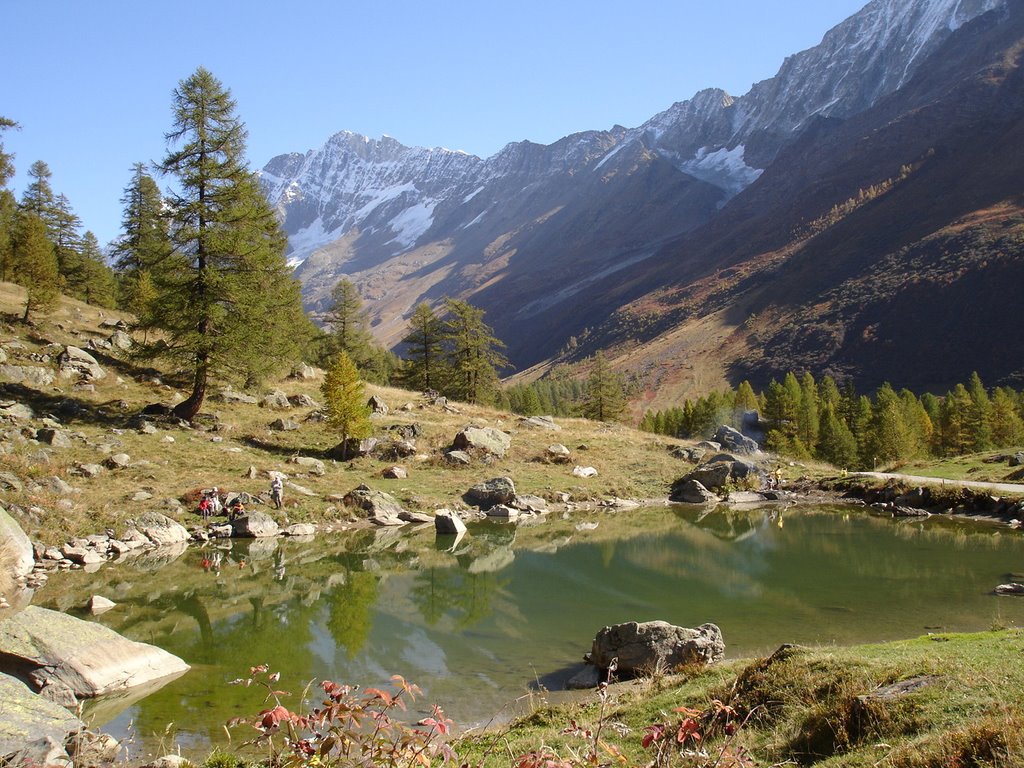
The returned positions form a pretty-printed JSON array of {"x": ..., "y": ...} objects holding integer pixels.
[{"x": 277, "y": 491}]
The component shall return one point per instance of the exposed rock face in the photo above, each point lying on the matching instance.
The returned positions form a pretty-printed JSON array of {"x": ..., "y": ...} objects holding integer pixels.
[
  {"x": 87, "y": 657},
  {"x": 484, "y": 439},
  {"x": 498, "y": 490},
  {"x": 377, "y": 405},
  {"x": 642, "y": 647},
  {"x": 31, "y": 726}
]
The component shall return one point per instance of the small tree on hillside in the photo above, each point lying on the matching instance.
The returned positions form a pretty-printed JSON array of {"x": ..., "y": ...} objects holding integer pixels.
[
  {"x": 604, "y": 399},
  {"x": 345, "y": 401},
  {"x": 34, "y": 264}
]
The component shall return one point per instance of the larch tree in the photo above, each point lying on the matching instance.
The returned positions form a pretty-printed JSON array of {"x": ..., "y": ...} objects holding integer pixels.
[
  {"x": 345, "y": 401},
  {"x": 604, "y": 399},
  {"x": 226, "y": 302},
  {"x": 424, "y": 351},
  {"x": 34, "y": 264},
  {"x": 473, "y": 353}
]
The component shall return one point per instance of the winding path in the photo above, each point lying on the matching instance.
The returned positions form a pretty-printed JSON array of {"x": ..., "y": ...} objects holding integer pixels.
[{"x": 1016, "y": 489}]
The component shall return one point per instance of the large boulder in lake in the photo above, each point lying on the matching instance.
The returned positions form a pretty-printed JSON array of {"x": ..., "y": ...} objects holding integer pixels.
[
  {"x": 90, "y": 659},
  {"x": 482, "y": 439},
  {"x": 490, "y": 493},
  {"x": 32, "y": 726},
  {"x": 643, "y": 647}
]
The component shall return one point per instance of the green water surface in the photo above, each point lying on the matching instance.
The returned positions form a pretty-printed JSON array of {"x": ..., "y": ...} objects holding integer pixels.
[{"x": 508, "y": 608}]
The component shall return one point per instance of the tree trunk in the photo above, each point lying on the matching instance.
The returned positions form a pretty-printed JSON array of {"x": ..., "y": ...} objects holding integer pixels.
[{"x": 187, "y": 409}]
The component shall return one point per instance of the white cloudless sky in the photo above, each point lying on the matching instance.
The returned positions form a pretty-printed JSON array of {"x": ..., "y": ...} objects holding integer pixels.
[{"x": 90, "y": 83}]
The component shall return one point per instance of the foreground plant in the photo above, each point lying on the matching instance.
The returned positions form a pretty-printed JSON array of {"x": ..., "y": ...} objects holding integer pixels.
[{"x": 347, "y": 727}]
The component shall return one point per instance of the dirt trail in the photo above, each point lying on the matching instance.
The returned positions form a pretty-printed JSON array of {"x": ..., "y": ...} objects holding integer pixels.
[{"x": 1015, "y": 489}]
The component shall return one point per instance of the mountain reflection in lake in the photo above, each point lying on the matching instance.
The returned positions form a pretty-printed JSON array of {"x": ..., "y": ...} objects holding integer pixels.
[{"x": 475, "y": 622}]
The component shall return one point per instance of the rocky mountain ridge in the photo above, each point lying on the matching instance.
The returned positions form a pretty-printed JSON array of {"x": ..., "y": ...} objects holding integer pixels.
[{"x": 557, "y": 237}]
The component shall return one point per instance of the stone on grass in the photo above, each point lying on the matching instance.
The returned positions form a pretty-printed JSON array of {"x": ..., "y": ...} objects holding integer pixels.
[
  {"x": 558, "y": 454},
  {"x": 311, "y": 465},
  {"x": 458, "y": 458},
  {"x": 395, "y": 473},
  {"x": 584, "y": 472},
  {"x": 275, "y": 399},
  {"x": 484, "y": 439},
  {"x": 540, "y": 422},
  {"x": 645, "y": 647}
]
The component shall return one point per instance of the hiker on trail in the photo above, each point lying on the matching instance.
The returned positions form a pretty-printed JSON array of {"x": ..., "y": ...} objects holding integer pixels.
[{"x": 277, "y": 491}]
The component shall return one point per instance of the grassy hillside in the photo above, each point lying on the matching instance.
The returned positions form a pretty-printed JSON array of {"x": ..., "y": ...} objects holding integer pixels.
[{"x": 233, "y": 437}]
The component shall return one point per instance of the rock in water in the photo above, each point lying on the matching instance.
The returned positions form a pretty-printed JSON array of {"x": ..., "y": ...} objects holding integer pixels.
[
  {"x": 87, "y": 657},
  {"x": 643, "y": 647}
]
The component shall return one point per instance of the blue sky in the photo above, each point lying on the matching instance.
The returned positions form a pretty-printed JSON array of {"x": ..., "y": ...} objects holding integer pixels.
[{"x": 90, "y": 83}]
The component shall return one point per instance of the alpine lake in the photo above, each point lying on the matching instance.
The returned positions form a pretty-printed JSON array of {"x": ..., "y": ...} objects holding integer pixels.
[{"x": 490, "y": 623}]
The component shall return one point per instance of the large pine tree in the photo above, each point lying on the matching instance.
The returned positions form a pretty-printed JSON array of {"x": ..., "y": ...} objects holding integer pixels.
[
  {"x": 604, "y": 399},
  {"x": 226, "y": 302}
]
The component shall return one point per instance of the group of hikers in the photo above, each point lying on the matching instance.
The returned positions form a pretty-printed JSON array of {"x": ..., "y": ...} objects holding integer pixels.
[{"x": 211, "y": 502}]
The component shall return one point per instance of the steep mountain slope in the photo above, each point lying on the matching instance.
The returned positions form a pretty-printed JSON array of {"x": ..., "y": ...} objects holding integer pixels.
[
  {"x": 887, "y": 246},
  {"x": 718, "y": 204}
]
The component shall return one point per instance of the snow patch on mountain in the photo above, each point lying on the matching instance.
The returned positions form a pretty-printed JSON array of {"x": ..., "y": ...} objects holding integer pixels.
[
  {"x": 723, "y": 167},
  {"x": 411, "y": 223}
]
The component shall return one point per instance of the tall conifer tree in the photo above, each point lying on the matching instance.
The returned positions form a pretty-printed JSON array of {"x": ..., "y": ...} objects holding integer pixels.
[{"x": 226, "y": 301}]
